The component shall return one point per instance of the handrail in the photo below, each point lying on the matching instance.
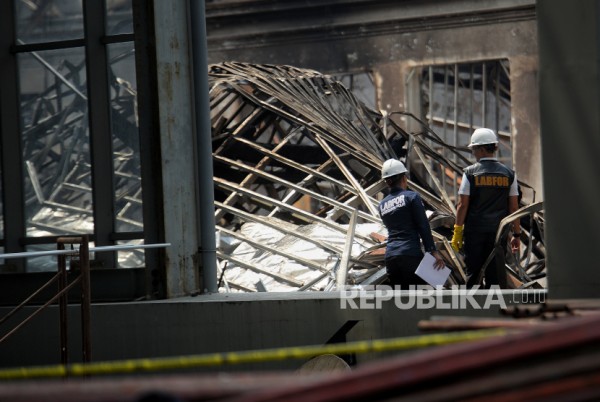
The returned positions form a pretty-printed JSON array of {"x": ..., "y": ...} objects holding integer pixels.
[
  {"x": 37, "y": 311},
  {"x": 24, "y": 303},
  {"x": 91, "y": 250},
  {"x": 63, "y": 288}
]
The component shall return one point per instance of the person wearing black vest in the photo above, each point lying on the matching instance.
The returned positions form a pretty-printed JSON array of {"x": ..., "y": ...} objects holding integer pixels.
[
  {"x": 488, "y": 193},
  {"x": 403, "y": 214}
]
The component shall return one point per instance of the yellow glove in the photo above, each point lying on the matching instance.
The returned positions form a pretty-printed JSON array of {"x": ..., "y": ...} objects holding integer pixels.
[{"x": 457, "y": 237}]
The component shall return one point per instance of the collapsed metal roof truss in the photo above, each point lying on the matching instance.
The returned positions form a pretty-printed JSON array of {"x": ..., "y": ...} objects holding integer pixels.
[{"x": 295, "y": 154}]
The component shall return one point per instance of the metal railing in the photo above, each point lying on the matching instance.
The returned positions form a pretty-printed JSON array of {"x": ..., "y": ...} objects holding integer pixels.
[{"x": 64, "y": 286}]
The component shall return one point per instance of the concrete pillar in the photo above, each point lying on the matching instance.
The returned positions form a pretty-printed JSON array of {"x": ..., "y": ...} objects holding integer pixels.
[
  {"x": 390, "y": 86},
  {"x": 527, "y": 146},
  {"x": 396, "y": 93},
  {"x": 177, "y": 145},
  {"x": 569, "y": 44},
  {"x": 398, "y": 90}
]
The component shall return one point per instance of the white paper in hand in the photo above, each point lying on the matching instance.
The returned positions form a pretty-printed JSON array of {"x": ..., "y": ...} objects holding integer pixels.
[{"x": 434, "y": 277}]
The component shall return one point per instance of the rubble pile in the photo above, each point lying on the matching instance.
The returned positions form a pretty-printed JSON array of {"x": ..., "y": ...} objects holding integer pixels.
[{"x": 297, "y": 162}]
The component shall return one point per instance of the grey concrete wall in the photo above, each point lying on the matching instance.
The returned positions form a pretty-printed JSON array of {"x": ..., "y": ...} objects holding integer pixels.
[
  {"x": 515, "y": 41},
  {"x": 569, "y": 102},
  {"x": 233, "y": 322},
  {"x": 388, "y": 39}
]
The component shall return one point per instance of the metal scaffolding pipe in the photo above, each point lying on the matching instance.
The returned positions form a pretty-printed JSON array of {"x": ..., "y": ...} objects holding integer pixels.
[{"x": 93, "y": 249}]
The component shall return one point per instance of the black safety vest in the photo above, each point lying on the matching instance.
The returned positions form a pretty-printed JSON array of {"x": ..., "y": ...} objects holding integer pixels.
[{"x": 490, "y": 183}]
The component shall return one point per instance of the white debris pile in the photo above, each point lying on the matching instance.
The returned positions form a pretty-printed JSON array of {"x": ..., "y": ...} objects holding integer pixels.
[{"x": 262, "y": 269}]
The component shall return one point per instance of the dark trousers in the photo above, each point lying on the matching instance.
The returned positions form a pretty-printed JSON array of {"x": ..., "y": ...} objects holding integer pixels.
[
  {"x": 477, "y": 247},
  {"x": 401, "y": 271}
]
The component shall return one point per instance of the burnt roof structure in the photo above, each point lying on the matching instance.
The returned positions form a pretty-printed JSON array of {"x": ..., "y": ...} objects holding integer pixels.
[{"x": 297, "y": 162}]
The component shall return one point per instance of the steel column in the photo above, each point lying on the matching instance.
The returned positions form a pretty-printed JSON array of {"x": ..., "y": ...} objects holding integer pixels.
[
  {"x": 11, "y": 155},
  {"x": 100, "y": 128}
]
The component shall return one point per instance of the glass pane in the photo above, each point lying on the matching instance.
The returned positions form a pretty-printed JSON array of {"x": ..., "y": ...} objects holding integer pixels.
[
  {"x": 119, "y": 17},
  {"x": 55, "y": 135},
  {"x": 126, "y": 141},
  {"x": 48, "y": 20},
  {"x": 43, "y": 263},
  {"x": 133, "y": 258},
  {"x": 49, "y": 263}
]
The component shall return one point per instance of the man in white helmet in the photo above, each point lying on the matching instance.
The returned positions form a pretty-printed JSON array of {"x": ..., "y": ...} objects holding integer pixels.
[
  {"x": 403, "y": 214},
  {"x": 488, "y": 192}
]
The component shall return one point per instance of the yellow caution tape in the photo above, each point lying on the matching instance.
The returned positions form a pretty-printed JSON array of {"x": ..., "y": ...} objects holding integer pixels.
[{"x": 252, "y": 356}]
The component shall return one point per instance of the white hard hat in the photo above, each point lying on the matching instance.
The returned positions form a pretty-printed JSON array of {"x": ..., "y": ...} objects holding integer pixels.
[
  {"x": 483, "y": 136},
  {"x": 392, "y": 167}
]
